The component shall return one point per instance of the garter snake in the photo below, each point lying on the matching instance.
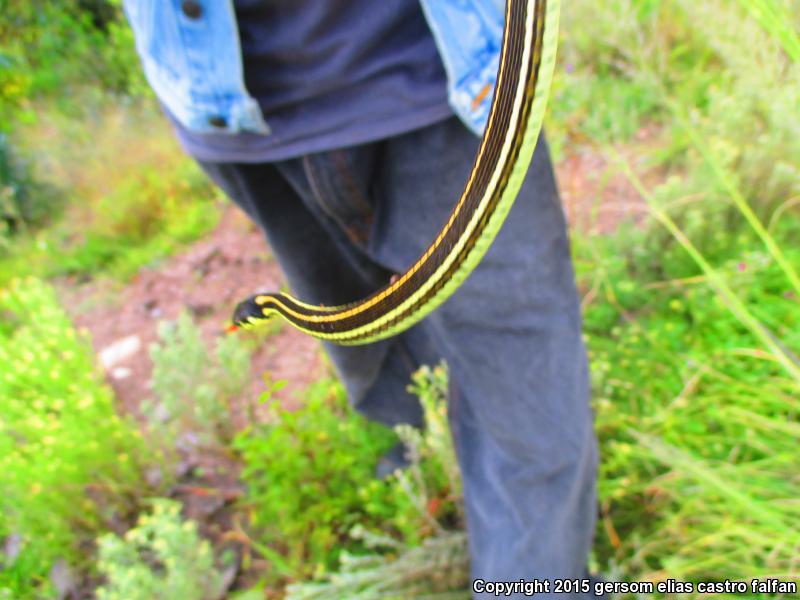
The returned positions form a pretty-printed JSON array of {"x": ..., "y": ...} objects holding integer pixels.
[{"x": 525, "y": 71}]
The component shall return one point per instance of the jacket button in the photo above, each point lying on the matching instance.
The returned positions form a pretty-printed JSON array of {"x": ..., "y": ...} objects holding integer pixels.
[
  {"x": 217, "y": 121},
  {"x": 192, "y": 9}
]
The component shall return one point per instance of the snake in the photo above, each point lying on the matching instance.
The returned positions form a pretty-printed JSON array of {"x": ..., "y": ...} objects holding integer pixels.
[{"x": 524, "y": 75}]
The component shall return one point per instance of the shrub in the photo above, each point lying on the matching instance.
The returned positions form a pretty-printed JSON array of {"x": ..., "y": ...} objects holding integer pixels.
[
  {"x": 433, "y": 563},
  {"x": 162, "y": 558},
  {"x": 47, "y": 48},
  {"x": 143, "y": 218},
  {"x": 310, "y": 478},
  {"x": 23, "y": 200},
  {"x": 193, "y": 386},
  {"x": 68, "y": 463},
  {"x": 120, "y": 214}
]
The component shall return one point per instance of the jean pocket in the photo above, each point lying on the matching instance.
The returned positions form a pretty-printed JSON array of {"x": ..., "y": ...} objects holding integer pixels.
[{"x": 340, "y": 184}]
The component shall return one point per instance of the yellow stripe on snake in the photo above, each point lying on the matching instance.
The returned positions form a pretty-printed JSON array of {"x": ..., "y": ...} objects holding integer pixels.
[{"x": 525, "y": 71}]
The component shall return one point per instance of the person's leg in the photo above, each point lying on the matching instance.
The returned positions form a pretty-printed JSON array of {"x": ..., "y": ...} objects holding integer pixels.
[
  {"x": 519, "y": 407},
  {"x": 512, "y": 337},
  {"x": 311, "y": 213}
]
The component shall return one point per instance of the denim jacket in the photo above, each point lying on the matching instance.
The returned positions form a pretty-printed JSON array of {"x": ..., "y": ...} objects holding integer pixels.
[{"x": 192, "y": 59}]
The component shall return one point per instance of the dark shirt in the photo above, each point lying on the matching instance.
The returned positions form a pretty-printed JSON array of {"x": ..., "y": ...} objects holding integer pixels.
[{"x": 330, "y": 74}]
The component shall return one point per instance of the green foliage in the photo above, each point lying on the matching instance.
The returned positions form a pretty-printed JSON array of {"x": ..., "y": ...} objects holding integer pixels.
[
  {"x": 692, "y": 329},
  {"x": 143, "y": 218},
  {"x": 121, "y": 213},
  {"x": 162, "y": 558},
  {"x": 436, "y": 566},
  {"x": 776, "y": 18},
  {"x": 68, "y": 462},
  {"x": 696, "y": 379},
  {"x": 310, "y": 479},
  {"x": 618, "y": 61},
  {"x": 23, "y": 200},
  {"x": 436, "y": 569},
  {"x": 661, "y": 61},
  {"x": 193, "y": 386},
  {"x": 746, "y": 137},
  {"x": 696, "y": 403},
  {"x": 576, "y": 112},
  {"x": 131, "y": 196},
  {"x": 52, "y": 49},
  {"x": 433, "y": 481},
  {"x": 698, "y": 423}
]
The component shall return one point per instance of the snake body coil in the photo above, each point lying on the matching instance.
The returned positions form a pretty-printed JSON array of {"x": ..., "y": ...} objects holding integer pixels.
[{"x": 523, "y": 83}]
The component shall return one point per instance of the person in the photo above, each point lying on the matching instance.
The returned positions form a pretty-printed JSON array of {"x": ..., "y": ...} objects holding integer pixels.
[{"x": 346, "y": 129}]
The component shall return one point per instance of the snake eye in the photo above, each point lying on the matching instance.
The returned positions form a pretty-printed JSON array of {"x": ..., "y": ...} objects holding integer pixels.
[{"x": 246, "y": 313}]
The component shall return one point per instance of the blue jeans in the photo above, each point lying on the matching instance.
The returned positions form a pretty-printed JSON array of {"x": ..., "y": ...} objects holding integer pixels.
[{"x": 342, "y": 222}]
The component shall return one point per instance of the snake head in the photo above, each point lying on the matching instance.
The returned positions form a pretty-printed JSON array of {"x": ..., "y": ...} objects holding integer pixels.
[{"x": 249, "y": 313}]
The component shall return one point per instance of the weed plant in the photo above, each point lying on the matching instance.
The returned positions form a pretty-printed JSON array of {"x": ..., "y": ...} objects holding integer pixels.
[
  {"x": 310, "y": 480},
  {"x": 692, "y": 71},
  {"x": 434, "y": 564},
  {"x": 69, "y": 465},
  {"x": 24, "y": 202},
  {"x": 692, "y": 329},
  {"x": 144, "y": 218},
  {"x": 162, "y": 558},
  {"x": 698, "y": 422},
  {"x": 74, "y": 105},
  {"x": 193, "y": 387}
]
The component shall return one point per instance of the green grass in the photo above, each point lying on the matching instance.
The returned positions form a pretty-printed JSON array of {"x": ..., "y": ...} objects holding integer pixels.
[
  {"x": 698, "y": 420},
  {"x": 692, "y": 319}
]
